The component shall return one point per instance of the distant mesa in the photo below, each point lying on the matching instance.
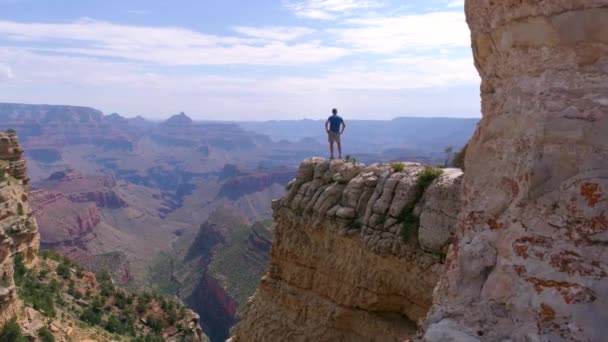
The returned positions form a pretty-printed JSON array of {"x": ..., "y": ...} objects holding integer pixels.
[
  {"x": 48, "y": 114},
  {"x": 140, "y": 121},
  {"x": 180, "y": 119},
  {"x": 116, "y": 118},
  {"x": 65, "y": 175},
  {"x": 229, "y": 171}
]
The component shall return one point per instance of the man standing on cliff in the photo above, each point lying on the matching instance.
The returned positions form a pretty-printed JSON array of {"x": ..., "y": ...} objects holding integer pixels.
[{"x": 335, "y": 126}]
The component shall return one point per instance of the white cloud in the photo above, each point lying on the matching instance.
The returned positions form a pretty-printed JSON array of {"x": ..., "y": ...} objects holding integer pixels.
[
  {"x": 329, "y": 9},
  {"x": 172, "y": 45},
  {"x": 134, "y": 89},
  {"x": 396, "y": 58},
  {"x": 407, "y": 32},
  {"x": 138, "y": 11},
  {"x": 456, "y": 3},
  {"x": 6, "y": 73},
  {"x": 275, "y": 33}
]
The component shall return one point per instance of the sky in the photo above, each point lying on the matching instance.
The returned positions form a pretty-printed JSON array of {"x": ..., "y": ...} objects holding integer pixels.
[{"x": 241, "y": 59}]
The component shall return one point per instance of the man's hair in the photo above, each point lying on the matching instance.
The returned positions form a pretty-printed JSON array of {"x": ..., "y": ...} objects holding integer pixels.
[{"x": 334, "y": 111}]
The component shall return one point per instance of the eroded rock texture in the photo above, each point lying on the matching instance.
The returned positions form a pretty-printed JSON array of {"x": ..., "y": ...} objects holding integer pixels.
[
  {"x": 339, "y": 268},
  {"x": 531, "y": 262},
  {"x": 18, "y": 229}
]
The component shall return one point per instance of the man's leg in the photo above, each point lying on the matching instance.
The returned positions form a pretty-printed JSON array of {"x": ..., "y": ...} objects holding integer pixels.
[
  {"x": 331, "y": 149},
  {"x": 340, "y": 149}
]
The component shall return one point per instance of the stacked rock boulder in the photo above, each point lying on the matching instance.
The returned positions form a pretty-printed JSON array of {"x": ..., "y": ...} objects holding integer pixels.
[
  {"x": 531, "y": 262},
  {"x": 339, "y": 268}
]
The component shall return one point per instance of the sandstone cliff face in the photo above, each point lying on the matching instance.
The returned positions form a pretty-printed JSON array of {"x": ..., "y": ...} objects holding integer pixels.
[
  {"x": 339, "y": 268},
  {"x": 18, "y": 230},
  {"x": 62, "y": 222},
  {"x": 531, "y": 262}
]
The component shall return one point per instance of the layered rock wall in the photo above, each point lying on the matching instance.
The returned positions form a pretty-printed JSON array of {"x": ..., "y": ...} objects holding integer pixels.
[
  {"x": 531, "y": 262},
  {"x": 340, "y": 268},
  {"x": 18, "y": 229}
]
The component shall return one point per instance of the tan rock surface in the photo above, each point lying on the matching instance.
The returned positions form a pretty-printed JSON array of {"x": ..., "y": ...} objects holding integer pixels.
[
  {"x": 339, "y": 269},
  {"x": 18, "y": 229},
  {"x": 531, "y": 262}
]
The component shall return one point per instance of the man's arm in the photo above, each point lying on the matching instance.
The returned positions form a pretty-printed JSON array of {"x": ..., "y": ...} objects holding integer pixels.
[
  {"x": 343, "y": 127},
  {"x": 327, "y": 126}
]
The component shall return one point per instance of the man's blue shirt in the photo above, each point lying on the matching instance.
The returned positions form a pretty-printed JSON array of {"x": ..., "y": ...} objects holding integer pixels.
[{"x": 335, "y": 122}]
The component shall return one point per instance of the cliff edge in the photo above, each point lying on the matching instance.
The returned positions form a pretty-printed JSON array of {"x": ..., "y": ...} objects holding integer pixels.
[
  {"x": 18, "y": 229},
  {"x": 356, "y": 254}
]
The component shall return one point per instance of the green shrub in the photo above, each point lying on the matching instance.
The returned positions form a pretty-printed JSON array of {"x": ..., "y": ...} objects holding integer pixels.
[
  {"x": 398, "y": 167},
  {"x": 120, "y": 300},
  {"x": 19, "y": 268},
  {"x": 449, "y": 152},
  {"x": 63, "y": 271},
  {"x": 350, "y": 159},
  {"x": 91, "y": 316},
  {"x": 107, "y": 289},
  {"x": 155, "y": 324},
  {"x": 45, "y": 335},
  {"x": 20, "y": 211},
  {"x": 73, "y": 292},
  {"x": 458, "y": 160},
  {"x": 149, "y": 338},
  {"x": 11, "y": 332},
  {"x": 120, "y": 324},
  {"x": 428, "y": 175},
  {"x": 172, "y": 317},
  {"x": 34, "y": 290},
  {"x": 103, "y": 277},
  {"x": 50, "y": 254},
  {"x": 410, "y": 222}
]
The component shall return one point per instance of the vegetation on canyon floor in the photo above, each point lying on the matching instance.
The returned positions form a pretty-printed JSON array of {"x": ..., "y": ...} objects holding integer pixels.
[{"x": 60, "y": 289}]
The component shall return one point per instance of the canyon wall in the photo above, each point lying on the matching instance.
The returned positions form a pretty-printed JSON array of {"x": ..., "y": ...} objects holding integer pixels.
[
  {"x": 18, "y": 229},
  {"x": 344, "y": 266},
  {"x": 531, "y": 262}
]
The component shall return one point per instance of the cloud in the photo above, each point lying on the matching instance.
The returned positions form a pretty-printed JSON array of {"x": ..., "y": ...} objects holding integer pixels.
[
  {"x": 406, "y": 32},
  {"x": 172, "y": 45},
  {"x": 6, "y": 73},
  {"x": 456, "y": 3},
  {"x": 276, "y": 33},
  {"x": 138, "y": 11},
  {"x": 370, "y": 63},
  {"x": 329, "y": 9},
  {"x": 134, "y": 88}
]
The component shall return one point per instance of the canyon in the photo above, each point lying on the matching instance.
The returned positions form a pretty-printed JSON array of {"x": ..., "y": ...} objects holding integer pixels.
[
  {"x": 514, "y": 249},
  {"x": 132, "y": 197},
  {"x": 45, "y": 294}
]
